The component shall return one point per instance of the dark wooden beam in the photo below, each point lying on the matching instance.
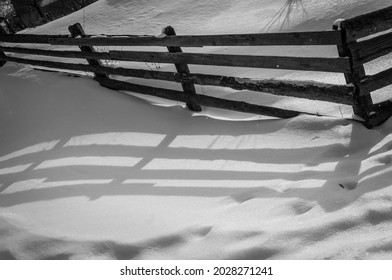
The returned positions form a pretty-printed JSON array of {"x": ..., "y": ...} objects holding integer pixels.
[
  {"x": 342, "y": 94},
  {"x": 204, "y": 100},
  {"x": 183, "y": 69},
  {"x": 322, "y": 64},
  {"x": 369, "y": 23},
  {"x": 371, "y": 49},
  {"x": 259, "y": 39}
]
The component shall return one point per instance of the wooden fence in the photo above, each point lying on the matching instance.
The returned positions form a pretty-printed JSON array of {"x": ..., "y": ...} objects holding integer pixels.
[{"x": 355, "y": 48}]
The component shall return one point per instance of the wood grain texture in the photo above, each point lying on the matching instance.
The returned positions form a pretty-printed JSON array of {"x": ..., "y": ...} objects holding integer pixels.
[
  {"x": 367, "y": 24},
  {"x": 371, "y": 49},
  {"x": 203, "y": 100},
  {"x": 337, "y": 65},
  {"x": 342, "y": 94},
  {"x": 362, "y": 102},
  {"x": 377, "y": 81},
  {"x": 77, "y": 30},
  {"x": 340, "y": 65},
  {"x": 30, "y": 38},
  {"x": 187, "y": 85},
  {"x": 259, "y": 39}
]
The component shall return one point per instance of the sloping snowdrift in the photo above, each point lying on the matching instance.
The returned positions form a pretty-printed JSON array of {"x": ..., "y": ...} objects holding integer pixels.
[
  {"x": 210, "y": 17},
  {"x": 89, "y": 173}
]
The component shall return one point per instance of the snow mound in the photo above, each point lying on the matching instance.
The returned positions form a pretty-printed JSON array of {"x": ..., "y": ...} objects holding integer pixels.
[{"x": 88, "y": 173}]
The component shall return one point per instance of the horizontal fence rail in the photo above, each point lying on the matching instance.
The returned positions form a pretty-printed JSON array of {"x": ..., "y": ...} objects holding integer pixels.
[
  {"x": 204, "y": 100},
  {"x": 371, "y": 49},
  {"x": 339, "y": 65},
  {"x": 370, "y": 23},
  {"x": 376, "y": 81},
  {"x": 267, "y": 39},
  {"x": 29, "y": 38},
  {"x": 303, "y": 89},
  {"x": 352, "y": 55}
]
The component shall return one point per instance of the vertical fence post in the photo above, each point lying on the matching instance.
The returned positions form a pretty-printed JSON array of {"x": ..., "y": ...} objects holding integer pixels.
[
  {"x": 183, "y": 69},
  {"x": 77, "y": 30},
  {"x": 2, "y": 54},
  {"x": 362, "y": 101}
]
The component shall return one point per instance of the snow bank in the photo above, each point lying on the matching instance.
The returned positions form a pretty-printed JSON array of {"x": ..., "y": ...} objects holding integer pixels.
[
  {"x": 105, "y": 175},
  {"x": 210, "y": 17}
]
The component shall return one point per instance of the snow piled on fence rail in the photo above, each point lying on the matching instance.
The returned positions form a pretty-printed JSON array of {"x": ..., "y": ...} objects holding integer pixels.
[{"x": 90, "y": 173}]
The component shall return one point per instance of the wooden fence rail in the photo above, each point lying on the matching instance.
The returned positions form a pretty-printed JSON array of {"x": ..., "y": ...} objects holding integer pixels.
[
  {"x": 352, "y": 54},
  {"x": 342, "y": 94},
  {"x": 367, "y": 24},
  {"x": 371, "y": 49},
  {"x": 204, "y": 100},
  {"x": 267, "y": 39},
  {"x": 338, "y": 65}
]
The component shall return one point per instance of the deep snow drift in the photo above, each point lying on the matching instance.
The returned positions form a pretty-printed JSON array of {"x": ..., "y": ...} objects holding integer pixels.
[{"x": 86, "y": 172}]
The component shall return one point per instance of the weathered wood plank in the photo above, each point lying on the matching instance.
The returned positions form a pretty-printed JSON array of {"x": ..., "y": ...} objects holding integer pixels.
[
  {"x": 30, "y": 38},
  {"x": 138, "y": 73},
  {"x": 259, "y": 39},
  {"x": 77, "y": 30},
  {"x": 384, "y": 105},
  {"x": 339, "y": 65},
  {"x": 371, "y": 49},
  {"x": 361, "y": 103},
  {"x": 369, "y": 23},
  {"x": 183, "y": 69},
  {"x": 69, "y": 54},
  {"x": 204, "y": 100},
  {"x": 342, "y": 94},
  {"x": 377, "y": 81},
  {"x": 2, "y": 54}
]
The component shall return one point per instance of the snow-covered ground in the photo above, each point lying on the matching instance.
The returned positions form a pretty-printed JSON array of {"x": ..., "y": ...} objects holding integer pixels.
[{"x": 90, "y": 173}]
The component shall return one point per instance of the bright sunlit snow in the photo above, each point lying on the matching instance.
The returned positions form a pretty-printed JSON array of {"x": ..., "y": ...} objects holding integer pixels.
[{"x": 90, "y": 173}]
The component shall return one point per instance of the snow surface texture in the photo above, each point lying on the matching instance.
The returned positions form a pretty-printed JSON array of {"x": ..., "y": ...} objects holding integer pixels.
[{"x": 89, "y": 173}]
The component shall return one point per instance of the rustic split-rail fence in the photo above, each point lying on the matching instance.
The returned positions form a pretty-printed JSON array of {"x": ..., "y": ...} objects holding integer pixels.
[{"x": 359, "y": 40}]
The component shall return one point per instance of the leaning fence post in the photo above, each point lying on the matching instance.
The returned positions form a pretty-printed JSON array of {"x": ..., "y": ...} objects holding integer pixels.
[
  {"x": 362, "y": 101},
  {"x": 77, "y": 30},
  {"x": 183, "y": 69}
]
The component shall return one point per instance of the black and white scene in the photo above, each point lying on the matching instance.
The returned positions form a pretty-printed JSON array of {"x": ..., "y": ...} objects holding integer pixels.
[{"x": 195, "y": 130}]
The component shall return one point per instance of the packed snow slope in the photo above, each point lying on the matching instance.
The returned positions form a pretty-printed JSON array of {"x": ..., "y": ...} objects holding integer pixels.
[
  {"x": 211, "y": 17},
  {"x": 90, "y": 173}
]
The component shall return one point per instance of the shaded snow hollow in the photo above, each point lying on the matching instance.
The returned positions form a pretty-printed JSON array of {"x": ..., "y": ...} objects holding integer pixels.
[{"x": 90, "y": 173}]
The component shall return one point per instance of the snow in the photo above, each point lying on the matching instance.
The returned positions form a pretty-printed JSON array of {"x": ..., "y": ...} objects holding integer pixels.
[{"x": 90, "y": 173}]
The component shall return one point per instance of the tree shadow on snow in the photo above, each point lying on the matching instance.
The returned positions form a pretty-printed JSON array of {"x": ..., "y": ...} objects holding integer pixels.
[{"x": 282, "y": 17}]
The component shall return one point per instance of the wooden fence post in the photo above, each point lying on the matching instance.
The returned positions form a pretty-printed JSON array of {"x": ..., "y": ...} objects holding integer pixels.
[
  {"x": 77, "y": 30},
  {"x": 183, "y": 69},
  {"x": 362, "y": 101},
  {"x": 2, "y": 54}
]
